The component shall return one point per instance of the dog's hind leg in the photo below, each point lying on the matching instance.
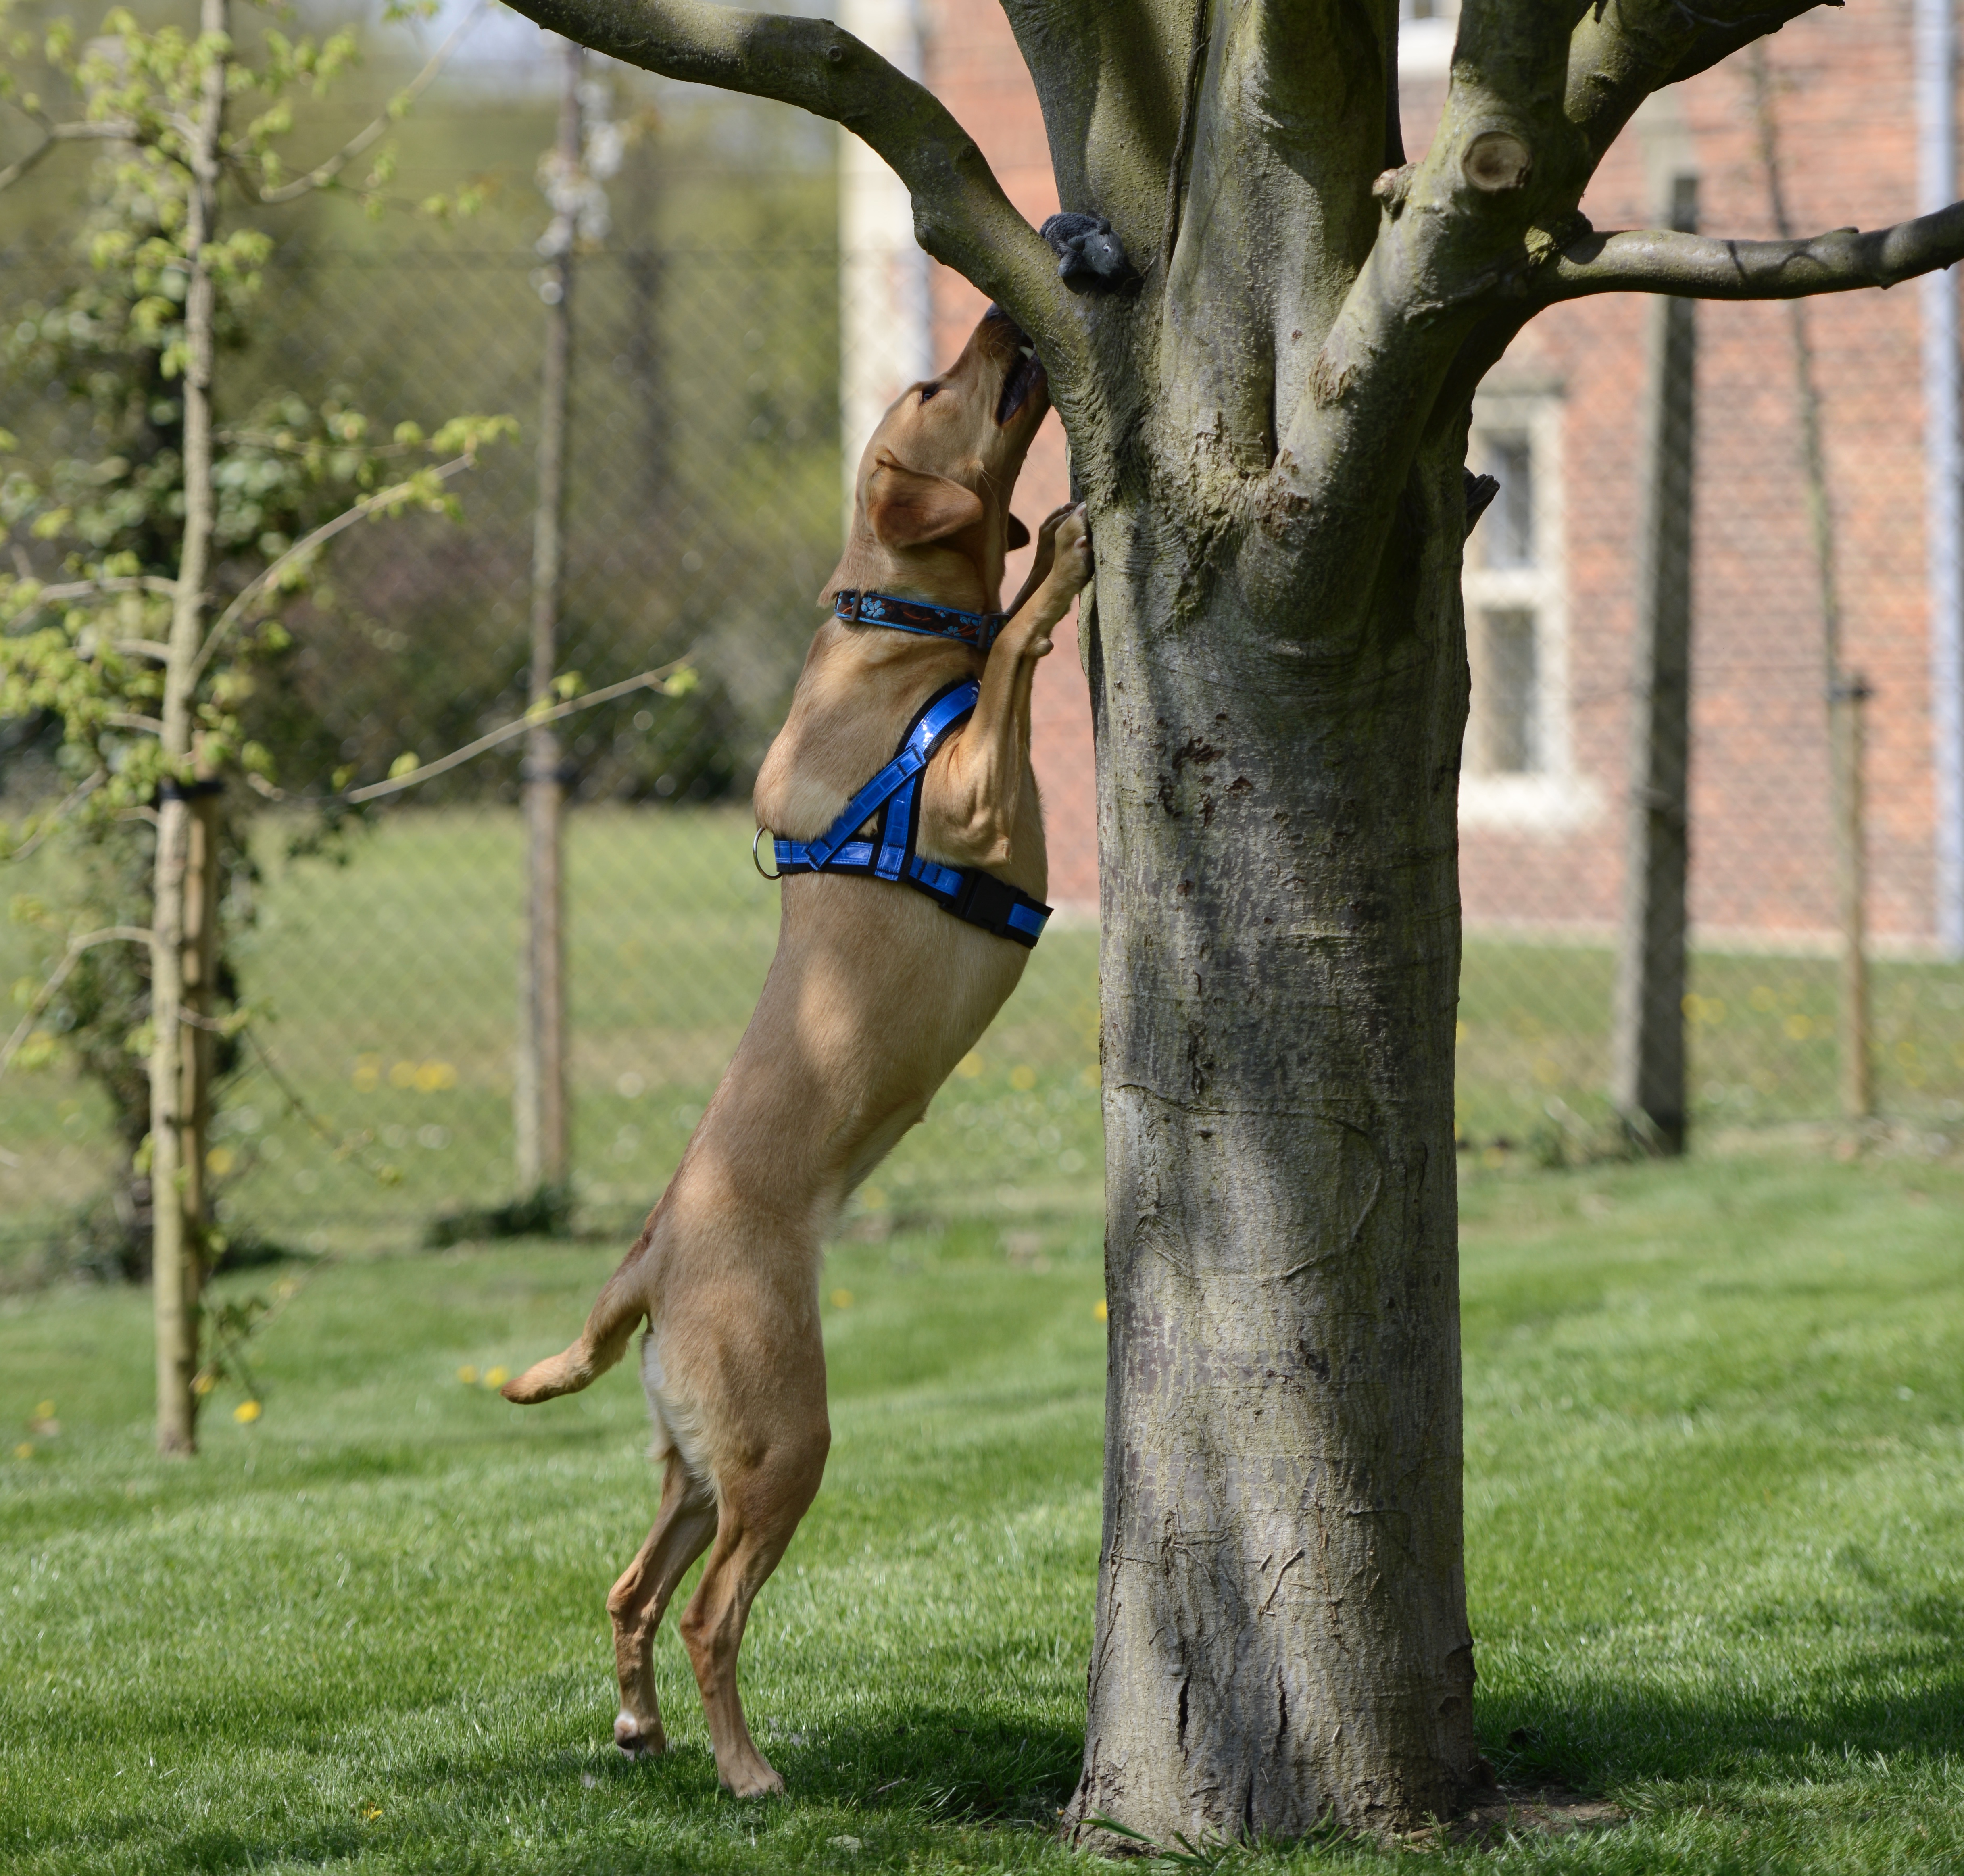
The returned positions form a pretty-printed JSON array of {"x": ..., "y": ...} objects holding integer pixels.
[
  {"x": 756, "y": 1521},
  {"x": 683, "y": 1528}
]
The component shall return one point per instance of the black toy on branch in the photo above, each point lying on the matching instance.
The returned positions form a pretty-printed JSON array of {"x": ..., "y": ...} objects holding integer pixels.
[{"x": 1089, "y": 253}]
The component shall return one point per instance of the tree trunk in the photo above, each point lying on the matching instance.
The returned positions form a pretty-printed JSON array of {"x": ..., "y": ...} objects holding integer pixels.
[
  {"x": 183, "y": 918},
  {"x": 1281, "y": 1633}
]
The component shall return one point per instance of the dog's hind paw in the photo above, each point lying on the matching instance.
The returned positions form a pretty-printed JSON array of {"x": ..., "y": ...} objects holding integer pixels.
[
  {"x": 636, "y": 1739},
  {"x": 548, "y": 1380}
]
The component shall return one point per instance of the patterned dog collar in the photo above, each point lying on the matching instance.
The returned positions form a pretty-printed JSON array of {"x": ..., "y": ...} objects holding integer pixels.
[{"x": 978, "y": 629}]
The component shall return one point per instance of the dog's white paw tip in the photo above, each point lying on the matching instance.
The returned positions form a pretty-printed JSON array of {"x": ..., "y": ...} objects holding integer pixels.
[{"x": 628, "y": 1736}]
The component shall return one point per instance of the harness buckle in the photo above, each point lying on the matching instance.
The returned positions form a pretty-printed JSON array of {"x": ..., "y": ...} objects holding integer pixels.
[{"x": 986, "y": 901}]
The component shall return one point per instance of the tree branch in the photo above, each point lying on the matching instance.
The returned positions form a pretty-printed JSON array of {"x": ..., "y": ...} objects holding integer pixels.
[
  {"x": 1699, "y": 267},
  {"x": 322, "y": 174},
  {"x": 91, "y": 589},
  {"x": 655, "y": 680},
  {"x": 57, "y": 815},
  {"x": 367, "y": 506},
  {"x": 42, "y": 997},
  {"x": 532, "y": 720},
  {"x": 54, "y": 133},
  {"x": 1622, "y": 50},
  {"x": 961, "y": 217}
]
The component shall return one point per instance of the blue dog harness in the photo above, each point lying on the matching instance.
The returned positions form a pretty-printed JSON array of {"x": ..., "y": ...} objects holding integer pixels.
[{"x": 972, "y": 895}]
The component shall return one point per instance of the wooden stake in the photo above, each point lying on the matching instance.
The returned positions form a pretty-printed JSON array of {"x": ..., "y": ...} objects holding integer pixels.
[
  {"x": 1649, "y": 1073},
  {"x": 1846, "y": 700},
  {"x": 184, "y": 929},
  {"x": 1846, "y": 691},
  {"x": 539, "y": 1091}
]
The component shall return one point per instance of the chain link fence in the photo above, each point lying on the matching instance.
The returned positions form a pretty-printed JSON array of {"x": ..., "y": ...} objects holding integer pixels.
[{"x": 704, "y": 518}]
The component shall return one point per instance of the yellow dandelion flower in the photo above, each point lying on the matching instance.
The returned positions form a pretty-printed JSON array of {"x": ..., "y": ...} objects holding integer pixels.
[
  {"x": 204, "y": 1383},
  {"x": 1022, "y": 1078},
  {"x": 1100, "y": 1310},
  {"x": 969, "y": 1066},
  {"x": 468, "y": 1375},
  {"x": 841, "y": 1299},
  {"x": 220, "y": 1161},
  {"x": 247, "y": 1412},
  {"x": 496, "y": 1376},
  {"x": 25, "y": 1450},
  {"x": 44, "y": 1410}
]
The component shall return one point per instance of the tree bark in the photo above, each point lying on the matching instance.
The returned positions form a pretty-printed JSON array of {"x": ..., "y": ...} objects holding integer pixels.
[
  {"x": 184, "y": 929},
  {"x": 1282, "y": 1633}
]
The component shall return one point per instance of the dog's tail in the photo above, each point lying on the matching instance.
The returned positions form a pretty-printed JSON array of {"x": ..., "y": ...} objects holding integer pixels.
[{"x": 618, "y": 1310}]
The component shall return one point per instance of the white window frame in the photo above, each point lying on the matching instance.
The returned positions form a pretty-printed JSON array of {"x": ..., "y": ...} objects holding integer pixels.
[
  {"x": 1551, "y": 798},
  {"x": 1425, "y": 47}
]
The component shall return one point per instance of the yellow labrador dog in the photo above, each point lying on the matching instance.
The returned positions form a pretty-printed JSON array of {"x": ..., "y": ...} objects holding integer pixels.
[{"x": 899, "y": 800}]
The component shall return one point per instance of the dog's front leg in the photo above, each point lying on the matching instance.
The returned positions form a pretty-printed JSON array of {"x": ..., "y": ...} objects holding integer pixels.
[{"x": 971, "y": 795}]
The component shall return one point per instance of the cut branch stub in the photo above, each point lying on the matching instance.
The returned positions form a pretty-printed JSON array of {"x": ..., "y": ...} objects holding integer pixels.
[{"x": 1497, "y": 160}]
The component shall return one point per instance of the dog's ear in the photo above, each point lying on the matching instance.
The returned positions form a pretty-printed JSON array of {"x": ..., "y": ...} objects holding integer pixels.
[
  {"x": 1019, "y": 535},
  {"x": 907, "y": 508}
]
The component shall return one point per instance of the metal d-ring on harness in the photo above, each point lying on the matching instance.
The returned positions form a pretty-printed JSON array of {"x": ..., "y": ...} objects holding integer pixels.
[{"x": 972, "y": 895}]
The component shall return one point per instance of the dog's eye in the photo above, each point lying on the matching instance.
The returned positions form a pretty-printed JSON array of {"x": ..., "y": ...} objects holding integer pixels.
[{"x": 929, "y": 390}]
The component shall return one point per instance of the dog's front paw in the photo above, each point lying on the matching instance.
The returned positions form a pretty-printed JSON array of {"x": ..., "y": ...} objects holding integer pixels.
[
  {"x": 1047, "y": 529},
  {"x": 1072, "y": 569},
  {"x": 759, "y": 1779}
]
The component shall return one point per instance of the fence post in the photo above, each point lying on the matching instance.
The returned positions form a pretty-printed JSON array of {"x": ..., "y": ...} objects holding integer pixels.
[
  {"x": 1846, "y": 695},
  {"x": 539, "y": 1087},
  {"x": 1846, "y": 691},
  {"x": 1649, "y": 1073}
]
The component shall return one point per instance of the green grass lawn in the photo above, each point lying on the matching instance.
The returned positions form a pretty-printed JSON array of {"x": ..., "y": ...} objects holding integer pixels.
[{"x": 1716, "y": 1442}]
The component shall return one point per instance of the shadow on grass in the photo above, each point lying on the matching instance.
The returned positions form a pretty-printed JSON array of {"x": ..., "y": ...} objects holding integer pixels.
[
  {"x": 949, "y": 1764},
  {"x": 1900, "y": 1698},
  {"x": 584, "y": 1807}
]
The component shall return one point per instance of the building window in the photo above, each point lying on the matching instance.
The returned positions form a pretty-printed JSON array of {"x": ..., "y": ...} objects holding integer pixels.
[{"x": 1516, "y": 769}]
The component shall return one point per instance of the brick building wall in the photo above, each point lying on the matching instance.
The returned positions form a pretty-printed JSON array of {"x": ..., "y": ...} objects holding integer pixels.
[{"x": 1544, "y": 850}]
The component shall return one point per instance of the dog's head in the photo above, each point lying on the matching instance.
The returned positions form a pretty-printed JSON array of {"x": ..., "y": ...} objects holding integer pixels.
[{"x": 930, "y": 515}]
